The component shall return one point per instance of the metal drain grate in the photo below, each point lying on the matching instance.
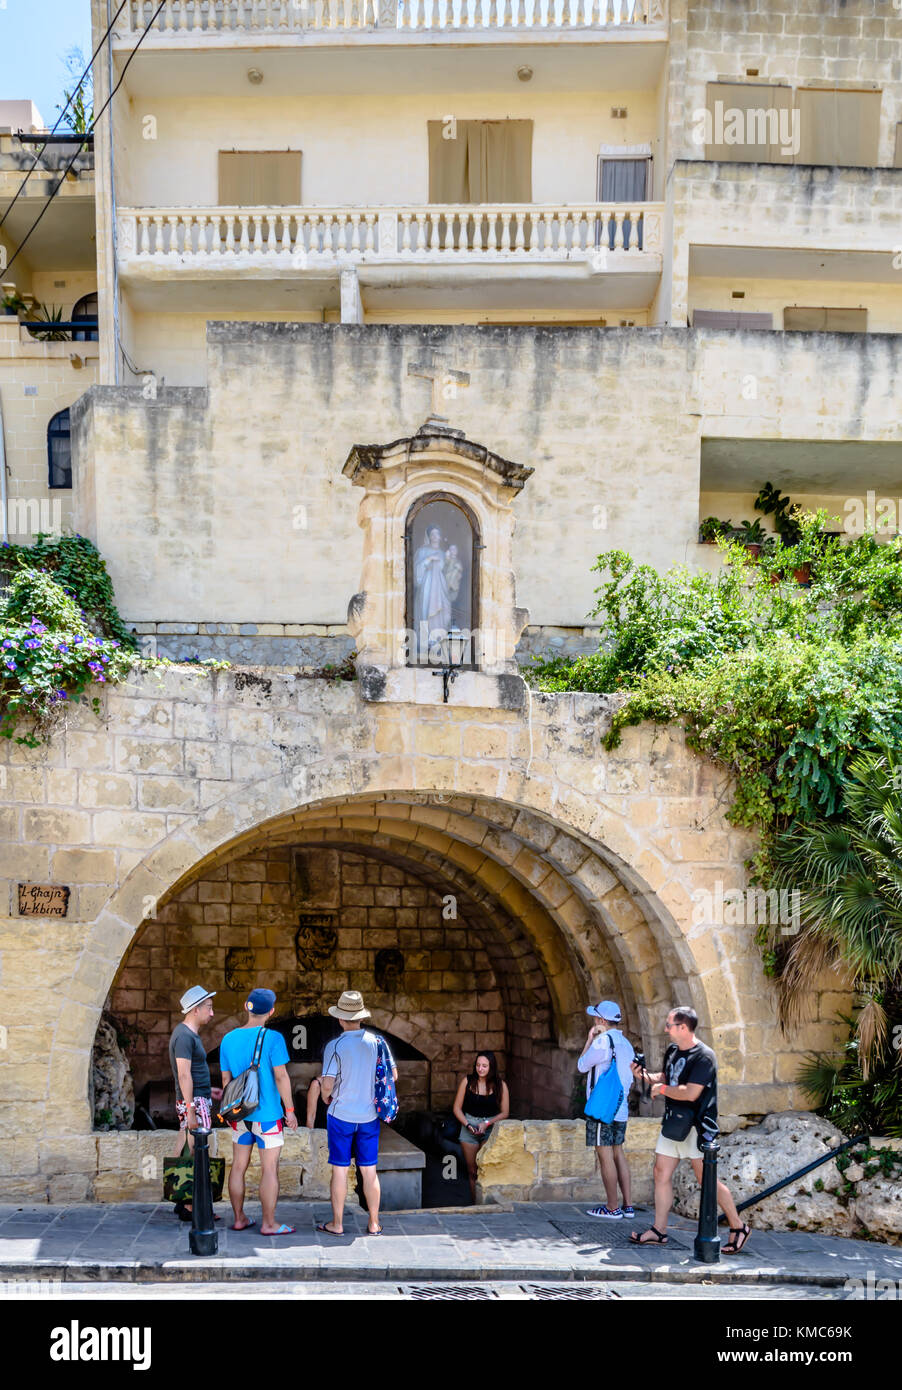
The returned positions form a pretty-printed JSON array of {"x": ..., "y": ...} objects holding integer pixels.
[
  {"x": 459, "y": 1291},
  {"x": 568, "y": 1291},
  {"x": 615, "y": 1235}
]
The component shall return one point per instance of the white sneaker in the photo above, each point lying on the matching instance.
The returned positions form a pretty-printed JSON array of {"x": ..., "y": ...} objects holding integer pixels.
[{"x": 606, "y": 1214}]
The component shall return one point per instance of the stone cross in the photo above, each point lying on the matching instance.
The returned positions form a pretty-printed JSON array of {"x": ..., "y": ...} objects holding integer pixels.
[{"x": 445, "y": 381}]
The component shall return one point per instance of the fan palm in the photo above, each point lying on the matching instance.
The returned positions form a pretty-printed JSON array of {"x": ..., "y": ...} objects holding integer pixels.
[{"x": 849, "y": 875}]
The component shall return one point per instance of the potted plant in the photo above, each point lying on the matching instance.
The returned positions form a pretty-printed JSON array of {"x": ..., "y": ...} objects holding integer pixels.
[
  {"x": 50, "y": 316},
  {"x": 771, "y": 502},
  {"x": 752, "y": 535},
  {"x": 13, "y": 304},
  {"x": 711, "y": 529}
]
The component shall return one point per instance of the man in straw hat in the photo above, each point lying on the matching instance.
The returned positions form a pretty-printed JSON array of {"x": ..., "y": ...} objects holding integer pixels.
[{"x": 349, "y": 1088}]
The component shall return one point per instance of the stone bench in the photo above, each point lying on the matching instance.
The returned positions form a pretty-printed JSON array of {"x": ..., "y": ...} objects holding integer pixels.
[{"x": 400, "y": 1170}]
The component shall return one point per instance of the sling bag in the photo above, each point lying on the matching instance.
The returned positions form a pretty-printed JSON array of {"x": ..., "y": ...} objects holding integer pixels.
[{"x": 242, "y": 1095}]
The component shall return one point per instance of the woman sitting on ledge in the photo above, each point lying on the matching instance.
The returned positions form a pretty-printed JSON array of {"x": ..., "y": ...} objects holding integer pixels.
[{"x": 482, "y": 1100}]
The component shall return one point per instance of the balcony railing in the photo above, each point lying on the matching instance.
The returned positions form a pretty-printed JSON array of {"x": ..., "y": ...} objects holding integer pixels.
[
  {"x": 438, "y": 234},
  {"x": 298, "y": 16}
]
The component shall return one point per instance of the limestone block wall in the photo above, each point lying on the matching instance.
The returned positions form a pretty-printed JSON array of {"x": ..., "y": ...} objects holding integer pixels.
[
  {"x": 549, "y": 1161},
  {"x": 850, "y": 43},
  {"x": 250, "y": 468}
]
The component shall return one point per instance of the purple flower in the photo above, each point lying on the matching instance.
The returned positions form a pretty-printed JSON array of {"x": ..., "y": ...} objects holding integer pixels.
[
  {"x": 61, "y": 695},
  {"x": 10, "y": 663},
  {"x": 8, "y": 643},
  {"x": 76, "y": 640},
  {"x": 31, "y": 643}
]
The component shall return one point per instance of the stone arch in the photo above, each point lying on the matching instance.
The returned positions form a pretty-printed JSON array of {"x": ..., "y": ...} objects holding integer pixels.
[{"x": 642, "y": 880}]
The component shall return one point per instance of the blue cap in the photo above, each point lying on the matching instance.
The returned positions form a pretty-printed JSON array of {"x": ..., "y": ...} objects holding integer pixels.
[
  {"x": 260, "y": 1001},
  {"x": 607, "y": 1010}
]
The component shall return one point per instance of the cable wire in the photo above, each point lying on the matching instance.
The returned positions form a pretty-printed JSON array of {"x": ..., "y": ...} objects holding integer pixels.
[
  {"x": 62, "y": 113},
  {"x": 80, "y": 147}
]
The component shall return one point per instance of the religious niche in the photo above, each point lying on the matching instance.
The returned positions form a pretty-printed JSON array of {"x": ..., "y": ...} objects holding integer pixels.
[
  {"x": 315, "y": 939},
  {"x": 442, "y": 581},
  {"x": 389, "y": 967}
]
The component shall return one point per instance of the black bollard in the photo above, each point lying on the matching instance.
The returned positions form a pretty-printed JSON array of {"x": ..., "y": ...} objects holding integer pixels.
[
  {"x": 707, "y": 1241},
  {"x": 203, "y": 1237}
]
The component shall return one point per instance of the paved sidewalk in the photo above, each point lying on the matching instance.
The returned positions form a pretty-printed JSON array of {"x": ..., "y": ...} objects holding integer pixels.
[{"x": 529, "y": 1241}]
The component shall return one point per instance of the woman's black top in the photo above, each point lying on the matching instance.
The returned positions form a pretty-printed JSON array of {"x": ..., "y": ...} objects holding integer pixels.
[{"x": 481, "y": 1107}]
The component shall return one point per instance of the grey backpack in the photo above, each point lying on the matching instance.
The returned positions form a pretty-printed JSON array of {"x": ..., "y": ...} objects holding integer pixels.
[{"x": 242, "y": 1095}]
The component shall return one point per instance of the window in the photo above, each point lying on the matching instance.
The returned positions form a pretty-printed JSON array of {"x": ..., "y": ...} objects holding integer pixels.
[
  {"x": 622, "y": 181},
  {"x": 749, "y": 122},
  {"x": 86, "y": 308},
  {"x": 480, "y": 161},
  {"x": 59, "y": 451},
  {"x": 838, "y": 127},
  {"x": 442, "y": 548},
  {"x": 801, "y": 320},
  {"x": 259, "y": 178}
]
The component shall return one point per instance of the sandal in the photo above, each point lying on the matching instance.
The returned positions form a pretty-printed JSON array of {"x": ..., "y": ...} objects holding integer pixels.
[
  {"x": 321, "y": 1226},
  {"x": 738, "y": 1237},
  {"x": 636, "y": 1237},
  {"x": 282, "y": 1231}
]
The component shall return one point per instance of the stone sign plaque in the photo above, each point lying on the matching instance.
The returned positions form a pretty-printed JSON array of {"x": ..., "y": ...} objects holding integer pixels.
[{"x": 43, "y": 900}]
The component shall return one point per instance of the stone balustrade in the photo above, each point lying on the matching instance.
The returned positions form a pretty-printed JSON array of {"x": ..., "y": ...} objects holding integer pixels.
[
  {"x": 316, "y": 236},
  {"x": 287, "y": 17}
]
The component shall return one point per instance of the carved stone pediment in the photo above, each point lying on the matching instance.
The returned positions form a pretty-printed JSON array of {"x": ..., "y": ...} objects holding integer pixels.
[{"x": 438, "y": 467}]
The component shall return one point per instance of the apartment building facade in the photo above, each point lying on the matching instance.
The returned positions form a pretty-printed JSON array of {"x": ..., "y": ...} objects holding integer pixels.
[{"x": 477, "y": 290}]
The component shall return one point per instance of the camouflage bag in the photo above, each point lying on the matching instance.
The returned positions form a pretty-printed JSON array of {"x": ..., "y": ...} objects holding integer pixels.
[{"x": 178, "y": 1177}]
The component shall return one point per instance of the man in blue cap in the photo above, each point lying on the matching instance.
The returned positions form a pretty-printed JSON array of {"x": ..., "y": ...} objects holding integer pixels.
[
  {"x": 606, "y": 1047},
  {"x": 263, "y": 1126}
]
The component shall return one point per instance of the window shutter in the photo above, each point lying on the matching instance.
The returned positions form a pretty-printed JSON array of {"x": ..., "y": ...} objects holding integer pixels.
[
  {"x": 897, "y": 158},
  {"x": 729, "y": 318},
  {"x": 804, "y": 320},
  {"x": 259, "y": 178},
  {"x": 750, "y": 110},
  {"x": 485, "y": 162},
  {"x": 838, "y": 127}
]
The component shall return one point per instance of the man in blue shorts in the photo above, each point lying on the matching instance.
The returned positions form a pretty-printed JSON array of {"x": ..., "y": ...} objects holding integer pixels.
[
  {"x": 349, "y": 1087},
  {"x": 263, "y": 1126}
]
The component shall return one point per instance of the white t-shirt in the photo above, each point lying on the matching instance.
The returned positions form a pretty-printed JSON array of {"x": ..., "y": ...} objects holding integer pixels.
[
  {"x": 598, "y": 1058},
  {"x": 351, "y": 1059}
]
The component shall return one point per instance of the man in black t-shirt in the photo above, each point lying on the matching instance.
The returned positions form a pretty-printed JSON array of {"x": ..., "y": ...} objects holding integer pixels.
[{"x": 688, "y": 1083}]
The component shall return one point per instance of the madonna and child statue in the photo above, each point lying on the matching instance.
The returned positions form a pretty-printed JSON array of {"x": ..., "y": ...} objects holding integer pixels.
[{"x": 440, "y": 598}]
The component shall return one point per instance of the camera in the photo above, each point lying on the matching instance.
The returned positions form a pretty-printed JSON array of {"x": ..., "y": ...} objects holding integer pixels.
[{"x": 640, "y": 1061}]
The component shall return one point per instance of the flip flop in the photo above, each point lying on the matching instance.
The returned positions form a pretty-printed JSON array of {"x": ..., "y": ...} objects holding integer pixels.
[
  {"x": 243, "y": 1228},
  {"x": 282, "y": 1231},
  {"x": 321, "y": 1226},
  {"x": 377, "y": 1232}
]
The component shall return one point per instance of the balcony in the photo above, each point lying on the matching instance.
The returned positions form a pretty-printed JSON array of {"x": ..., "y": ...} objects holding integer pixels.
[
  {"x": 591, "y": 256},
  {"x": 228, "y": 20}
]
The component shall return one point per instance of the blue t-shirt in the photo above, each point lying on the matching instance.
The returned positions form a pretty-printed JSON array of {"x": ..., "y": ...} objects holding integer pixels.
[{"x": 236, "y": 1052}]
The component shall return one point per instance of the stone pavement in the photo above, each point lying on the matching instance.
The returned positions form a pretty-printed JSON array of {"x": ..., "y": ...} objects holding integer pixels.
[{"x": 526, "y": 1241}]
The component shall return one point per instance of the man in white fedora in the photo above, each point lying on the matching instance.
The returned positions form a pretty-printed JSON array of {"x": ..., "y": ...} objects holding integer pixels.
[{"x": 349, "y": 1089}]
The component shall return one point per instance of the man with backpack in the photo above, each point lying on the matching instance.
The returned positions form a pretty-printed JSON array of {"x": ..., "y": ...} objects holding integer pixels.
[
  {"x": 355, "y": 1068},
  {"x": 606, "y": 1047},
  {"x": 255, "y": 1045}
]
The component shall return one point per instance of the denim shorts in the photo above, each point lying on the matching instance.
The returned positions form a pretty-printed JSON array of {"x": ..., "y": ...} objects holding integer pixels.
[
  {"x": 602, "y": 1136},
  {"x": 345, "y": 1137}
]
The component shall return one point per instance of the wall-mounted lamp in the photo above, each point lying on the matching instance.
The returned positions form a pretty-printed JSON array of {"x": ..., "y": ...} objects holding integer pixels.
[
  {"x": 525, "y": 73},
  {"x": 254, "y": 75},
  {"x": 77, "y": 362}
]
